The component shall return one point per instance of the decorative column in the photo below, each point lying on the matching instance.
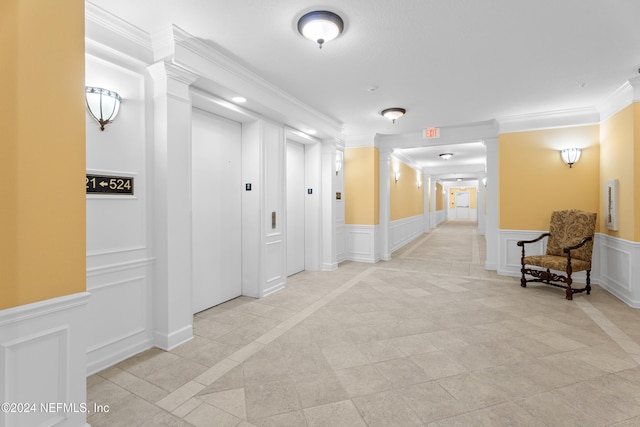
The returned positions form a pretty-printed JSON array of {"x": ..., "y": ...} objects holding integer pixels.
[
  {"x": 329, "y": 204},
  {"x": 382, "y": 238},
  {"x": 493, "y": 212},
  {"x": 172, "y": 307},
  {"x": 426, "y": 185}
]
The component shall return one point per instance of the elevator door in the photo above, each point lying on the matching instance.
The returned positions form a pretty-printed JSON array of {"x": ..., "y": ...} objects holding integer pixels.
[
  {"x": 295, "y": 207},
  {"x": 216, "y": 210}
]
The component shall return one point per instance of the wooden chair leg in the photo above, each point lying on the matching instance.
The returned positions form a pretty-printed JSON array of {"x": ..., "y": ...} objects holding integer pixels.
[
  {"x": 523, "y": 281},
  {"x": 588, "y": 287}
]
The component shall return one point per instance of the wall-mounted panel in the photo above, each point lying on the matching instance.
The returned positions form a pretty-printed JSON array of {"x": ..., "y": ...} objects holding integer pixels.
[
  {"x": 361, "y": 243},
  {"x": 118, "y": 242},
  {"x": 404, "y": 231},
  {"x": 619, "y": 262},
  {"x": 273, "y": 145},
  {"x": 42, "y": 352}
]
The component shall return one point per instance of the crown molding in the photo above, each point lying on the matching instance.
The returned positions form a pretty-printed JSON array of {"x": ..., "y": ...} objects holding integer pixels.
[
  {"x": 107, "y": 29},
  {"x": 203, "y": 59},
  {"x": 617, "y": 101},
  {"x": 549, "y": 120}
]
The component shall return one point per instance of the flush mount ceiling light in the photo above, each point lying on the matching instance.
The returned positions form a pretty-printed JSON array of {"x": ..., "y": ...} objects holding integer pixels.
[
  {"x": 103, "y": 104},
  {"x": 446, "y": 156},
  {"x": 393, "y": 114},
  {"x": 570, "y": 155},
  {"x": 320, "y": 26}
]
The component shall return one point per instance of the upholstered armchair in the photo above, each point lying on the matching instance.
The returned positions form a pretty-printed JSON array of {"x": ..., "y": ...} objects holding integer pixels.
[{"x": 569, "y": 249}]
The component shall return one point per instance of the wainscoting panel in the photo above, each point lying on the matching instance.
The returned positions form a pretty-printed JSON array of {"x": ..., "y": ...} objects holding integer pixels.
[
  {"x": 405, "y": 230},
  {"x": 341, "y": 254},
  {"x": 274, "y": 256},
  {"x": 360, "y": 242},
  {"x": 42, "y": 349},
  {"x": 119, "y": 314},
  {"x": 619, "y": 261}
]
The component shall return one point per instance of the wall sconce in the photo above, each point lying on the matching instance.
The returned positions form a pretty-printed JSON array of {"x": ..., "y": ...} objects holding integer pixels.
[
  {"x": 484, "y": 181},
  {"x": 570, "y": 156},
  {"x": 393, "y": 114},
  {"x": 338, "y": 162},
  {"x": 419, "y": 183},
  {"x": 396, "y": 174},
  {"x": 320, "y": 26},
  {"x": 102, "y": 104}
]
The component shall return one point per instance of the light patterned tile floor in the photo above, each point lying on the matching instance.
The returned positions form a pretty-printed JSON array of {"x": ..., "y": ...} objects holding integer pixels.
[{"x": 429, "y": 338}]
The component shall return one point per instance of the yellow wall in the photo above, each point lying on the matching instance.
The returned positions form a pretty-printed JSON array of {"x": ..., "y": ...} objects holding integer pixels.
[
  {"x": 439, "y": 197},
  {"x": 362, "y": 186},
  {"x": 535, "y": 182},
  {"x": 473, "y": 196},
  {"x": 42, "y": 157},
  {"x": 406, "y": 199},
  {"x": 618, "y": 158}
]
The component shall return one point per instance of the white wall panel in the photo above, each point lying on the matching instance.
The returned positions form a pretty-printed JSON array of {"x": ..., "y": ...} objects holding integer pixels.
[
  {"x": 619, "y": 262},
  {"x": 42, "y": 352},
  {"x": 361, "y": 243},
  {"x": 118, "y": 254},
  {"x": 341, "y": 253},
  {"x": 405, "y": 230},
  {"x": 275, "y": 187}
]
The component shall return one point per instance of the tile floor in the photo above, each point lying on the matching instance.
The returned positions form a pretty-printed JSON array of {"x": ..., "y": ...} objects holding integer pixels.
[{"x": 427, "y": 339}]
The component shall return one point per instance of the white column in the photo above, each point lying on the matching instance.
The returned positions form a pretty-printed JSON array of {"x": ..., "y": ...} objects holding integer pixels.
[
  {"x": 382, "y": 248},
  {"x": 480, "y": 207},
  {"x": 329, "y": 205},
  {"x": 493, "y": 199},
  {"x": 172, "y": 308},
  {"x": 426, "y": 183}
]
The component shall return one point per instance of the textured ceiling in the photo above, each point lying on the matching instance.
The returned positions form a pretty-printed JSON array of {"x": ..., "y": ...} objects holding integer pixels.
[{"x": 448, "y": 62}]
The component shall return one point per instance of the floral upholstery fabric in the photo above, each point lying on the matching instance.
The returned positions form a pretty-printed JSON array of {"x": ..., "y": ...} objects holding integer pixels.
[
  {"x": 568, "y": 228},
  {"x": 554, "y": 262}
]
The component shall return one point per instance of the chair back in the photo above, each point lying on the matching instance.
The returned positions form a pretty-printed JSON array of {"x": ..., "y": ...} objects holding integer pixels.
[{"x": 568, "y": 228}]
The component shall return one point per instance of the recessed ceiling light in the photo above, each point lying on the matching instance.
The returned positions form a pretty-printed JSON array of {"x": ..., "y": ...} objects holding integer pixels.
[
  {"x": 239, "y": 99},
  {"x": 446, "y": 156},
  {"x": 311, "y": 132}
]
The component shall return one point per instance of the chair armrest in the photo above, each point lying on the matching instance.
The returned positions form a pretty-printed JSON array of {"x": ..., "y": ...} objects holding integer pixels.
[
  {"x": 579, "y": 245},
  {"x": 522, "y": 242}
]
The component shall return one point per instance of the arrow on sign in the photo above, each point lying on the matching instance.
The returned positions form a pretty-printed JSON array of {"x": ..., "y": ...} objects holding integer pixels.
[{"x": 103, "y": 183}]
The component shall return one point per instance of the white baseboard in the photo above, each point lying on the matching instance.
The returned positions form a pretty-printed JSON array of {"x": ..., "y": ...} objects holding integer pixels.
[{"x": 168, "y": 342}]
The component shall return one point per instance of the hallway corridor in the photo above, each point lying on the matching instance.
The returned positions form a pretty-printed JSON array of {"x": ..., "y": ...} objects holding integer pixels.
[{"x": 429, "y": 338}]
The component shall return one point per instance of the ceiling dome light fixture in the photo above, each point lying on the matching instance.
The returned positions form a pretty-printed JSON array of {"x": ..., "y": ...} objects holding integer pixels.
[
  {"x": 393, "y": 114},
  {"x": 446, "y": 156},
  {"x": 320, "y": 26}
]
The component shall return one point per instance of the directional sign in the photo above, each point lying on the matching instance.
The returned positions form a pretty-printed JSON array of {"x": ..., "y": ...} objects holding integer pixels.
[{"x": 101, "y": 184}]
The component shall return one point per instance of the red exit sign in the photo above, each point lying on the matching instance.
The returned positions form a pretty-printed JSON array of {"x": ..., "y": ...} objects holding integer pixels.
[{"x": 431, "y": 133}]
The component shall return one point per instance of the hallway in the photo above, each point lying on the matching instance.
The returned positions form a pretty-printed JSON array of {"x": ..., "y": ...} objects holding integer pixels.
[{"x": 429, "y": 338}]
